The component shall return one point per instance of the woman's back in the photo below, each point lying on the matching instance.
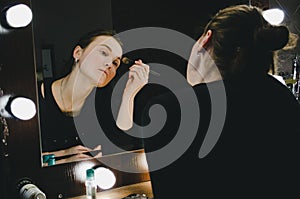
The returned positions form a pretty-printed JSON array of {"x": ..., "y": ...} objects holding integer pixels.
[{"x": 255, "y": 154}]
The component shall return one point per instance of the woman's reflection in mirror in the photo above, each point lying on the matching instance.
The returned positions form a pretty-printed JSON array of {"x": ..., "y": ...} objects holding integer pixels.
[{"x": 96, "y": 59}]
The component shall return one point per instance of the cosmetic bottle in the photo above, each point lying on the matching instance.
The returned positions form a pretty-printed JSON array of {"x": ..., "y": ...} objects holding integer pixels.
[
  {"x": 28, "y": 190},
  {"x": 90, "y": 184}
]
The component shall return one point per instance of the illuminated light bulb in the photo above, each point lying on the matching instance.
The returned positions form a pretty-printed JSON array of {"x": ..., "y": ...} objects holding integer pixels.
[
  {"x": 18, "y": 16},
  {"x": 105, "y": 178},
  {"x": 18, "y": 107},
  {"x": 80, "y": 170},
  {"x": 23, "y": 108},
  {"x": 274, "y": 16}
]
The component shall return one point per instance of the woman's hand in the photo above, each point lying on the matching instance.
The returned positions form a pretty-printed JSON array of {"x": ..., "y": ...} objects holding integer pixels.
[
  {"x": 78, "y": 157},
  {"x": 137, "y": 78},
  {"x": 72, "y": 150},
  {"x": 79, "y": 149},
  {"x": 75, "y": 150},
  {"x": 76, "y": 153}
]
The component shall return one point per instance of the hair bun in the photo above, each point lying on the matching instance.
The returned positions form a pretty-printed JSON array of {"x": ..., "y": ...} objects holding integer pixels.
[{"x": 272, "y": 37}]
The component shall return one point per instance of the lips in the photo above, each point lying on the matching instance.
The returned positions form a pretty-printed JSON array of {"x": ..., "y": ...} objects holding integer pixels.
[{"x": 104, "y": 71}]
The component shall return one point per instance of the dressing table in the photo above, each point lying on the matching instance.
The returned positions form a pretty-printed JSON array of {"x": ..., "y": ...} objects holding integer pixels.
[{"x": 121, "y": 192}]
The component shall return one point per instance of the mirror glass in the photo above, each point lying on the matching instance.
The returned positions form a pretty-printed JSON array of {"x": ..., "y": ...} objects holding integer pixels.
[{"x": 57, "y": 27}]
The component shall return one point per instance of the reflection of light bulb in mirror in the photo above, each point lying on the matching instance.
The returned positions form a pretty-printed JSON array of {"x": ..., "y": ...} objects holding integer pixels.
[
  {"x": 143, "y": 163},
  {"x": 274, "y": 16},
  {"x": 18, "y": 16},
  {"x": 105, "y": 178}
]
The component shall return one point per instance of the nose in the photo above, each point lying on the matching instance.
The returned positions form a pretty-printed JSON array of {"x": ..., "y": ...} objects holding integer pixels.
[
  {"x": 108, "y": 62},
  {"x": 108, "y": 66}
]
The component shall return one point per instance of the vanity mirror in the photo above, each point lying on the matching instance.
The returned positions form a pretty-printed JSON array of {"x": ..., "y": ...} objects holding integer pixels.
[{"x": 90, "y": 130}]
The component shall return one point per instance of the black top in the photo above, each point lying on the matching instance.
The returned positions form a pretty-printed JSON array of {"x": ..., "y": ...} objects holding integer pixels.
[
  {"x": 255, "y": 154},
  {"x": 93, "y": 126},
  {"x": 57, "y": 130}
]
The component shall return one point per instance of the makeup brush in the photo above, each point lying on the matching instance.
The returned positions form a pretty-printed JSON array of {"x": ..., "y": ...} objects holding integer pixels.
[{"x": 130, "y": 62}]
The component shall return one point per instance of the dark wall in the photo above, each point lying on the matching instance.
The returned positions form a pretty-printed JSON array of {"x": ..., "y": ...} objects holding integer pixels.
[
  {"x": 17, "y": 76},
  {"x": 59, "y": 24},
  {"x": 184, "y": 16}
]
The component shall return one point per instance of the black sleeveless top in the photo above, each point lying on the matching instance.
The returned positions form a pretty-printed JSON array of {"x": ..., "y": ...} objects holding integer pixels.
[
  {"x": 95, "y": 125},
  {"x": 57, "y": 130}
]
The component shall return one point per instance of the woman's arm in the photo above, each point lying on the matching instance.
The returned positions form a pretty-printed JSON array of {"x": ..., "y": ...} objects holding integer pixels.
[
  {"x": 79, "y": 149},
  {"x": 138, "y": 78}
]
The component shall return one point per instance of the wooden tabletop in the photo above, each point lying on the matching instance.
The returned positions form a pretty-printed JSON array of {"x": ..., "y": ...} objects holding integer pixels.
[{"x": 121, "y": 192}]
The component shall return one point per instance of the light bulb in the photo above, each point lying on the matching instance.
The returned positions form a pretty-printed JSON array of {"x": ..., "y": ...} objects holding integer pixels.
[
  {"x": 23, "y": 108},
  {"x": 18, "y": 16},
  {"x": 104, "y": 178},
  {"x": 274, "y": 16}
]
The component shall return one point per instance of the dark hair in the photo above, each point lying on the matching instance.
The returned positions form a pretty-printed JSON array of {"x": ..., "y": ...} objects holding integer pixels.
[
  {"x": 84, "y": 41},
  {"x": 284, "y": 56},
  {"x": 89, "y": 37},
  {"x": 243, "y": 41}
]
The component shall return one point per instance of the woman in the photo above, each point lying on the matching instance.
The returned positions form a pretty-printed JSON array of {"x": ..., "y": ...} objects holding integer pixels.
[
  {"x": 254, "y": 154},
  {"x": 97, "y": 57}
]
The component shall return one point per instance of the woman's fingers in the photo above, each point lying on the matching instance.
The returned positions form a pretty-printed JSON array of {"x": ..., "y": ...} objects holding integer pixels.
[
  {"x": 77, "y": 149},
  {"x": 139, "y": 71},
  {"x": 98, "y": 155},
  {"x": 97, "y": 148},
  {"x": 82, "y": 148}
]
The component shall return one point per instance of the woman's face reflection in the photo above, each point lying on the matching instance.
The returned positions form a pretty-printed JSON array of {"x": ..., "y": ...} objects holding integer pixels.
[{"x": 100, "y": 60}]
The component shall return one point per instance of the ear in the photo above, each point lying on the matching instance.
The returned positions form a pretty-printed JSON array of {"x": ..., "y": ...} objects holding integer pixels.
[
  {"x": 77, "y": 52},
  {"x": 203, "y": 41}
]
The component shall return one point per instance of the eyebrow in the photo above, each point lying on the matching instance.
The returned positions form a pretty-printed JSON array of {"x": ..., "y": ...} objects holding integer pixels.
[{"x": 106, "y": 47}]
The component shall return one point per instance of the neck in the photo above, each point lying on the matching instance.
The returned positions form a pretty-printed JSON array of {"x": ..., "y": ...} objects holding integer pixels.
[
  {"x": 205, "y": 72},
  {"x": 73, "y": 92}
]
